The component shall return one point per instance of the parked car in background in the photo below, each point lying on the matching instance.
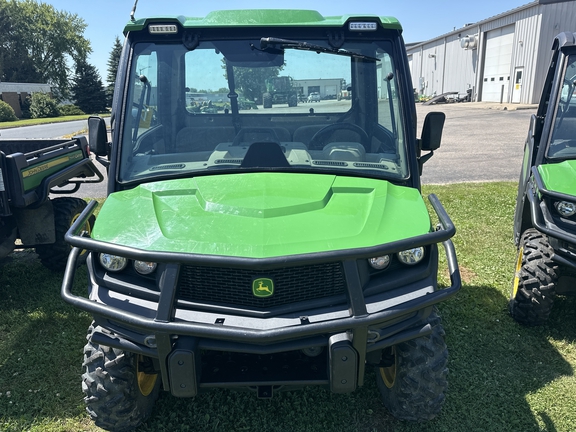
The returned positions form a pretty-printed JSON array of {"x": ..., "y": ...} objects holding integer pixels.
[{"x": 314, "y": 97}]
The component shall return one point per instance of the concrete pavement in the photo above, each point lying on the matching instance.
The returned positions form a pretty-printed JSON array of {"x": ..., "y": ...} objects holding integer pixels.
[{"x": 480, "y": 142}]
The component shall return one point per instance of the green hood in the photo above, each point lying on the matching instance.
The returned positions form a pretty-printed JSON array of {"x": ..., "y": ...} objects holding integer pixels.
[
  {"x": 261, "y": 215},
  {"x": 559, "y": 177}
]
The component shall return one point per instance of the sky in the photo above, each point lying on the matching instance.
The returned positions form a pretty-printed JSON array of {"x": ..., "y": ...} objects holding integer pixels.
[{"x": 421, "y": 19}]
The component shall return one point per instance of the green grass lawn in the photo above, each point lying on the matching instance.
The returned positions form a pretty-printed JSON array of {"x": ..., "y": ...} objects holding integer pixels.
[
  {"x": 503, "y": 377},
  {"x": 32, "y": 122}
]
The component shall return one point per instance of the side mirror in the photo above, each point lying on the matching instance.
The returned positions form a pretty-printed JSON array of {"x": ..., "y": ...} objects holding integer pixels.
[
  {"x": 432, "y": 131},
  {"x": 97, "y": 135}
]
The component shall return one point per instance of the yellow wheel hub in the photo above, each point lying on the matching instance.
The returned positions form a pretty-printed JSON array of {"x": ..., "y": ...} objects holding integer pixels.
[
  {"x": 388, "y": 374},
  {"x": 146, "y": 382},
  {"x": 517, "y": 272}
]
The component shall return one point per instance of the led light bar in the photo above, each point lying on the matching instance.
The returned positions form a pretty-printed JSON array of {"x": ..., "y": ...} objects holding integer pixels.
[
  {"x": 362, "y": 26},
  {"x": 163, "y": 29}
]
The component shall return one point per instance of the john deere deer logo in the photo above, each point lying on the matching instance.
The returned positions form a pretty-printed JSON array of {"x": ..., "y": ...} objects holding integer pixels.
[{"x": 262, "y": 287}]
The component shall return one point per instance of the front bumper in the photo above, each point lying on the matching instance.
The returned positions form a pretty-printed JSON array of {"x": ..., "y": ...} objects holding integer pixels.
[
  {"x": 176, "y": 337},
  {"x": 562, "y": 240}
]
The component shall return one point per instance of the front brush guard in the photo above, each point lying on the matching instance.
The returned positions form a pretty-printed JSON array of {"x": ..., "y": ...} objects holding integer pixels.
[{"x": 163, "y": 324}]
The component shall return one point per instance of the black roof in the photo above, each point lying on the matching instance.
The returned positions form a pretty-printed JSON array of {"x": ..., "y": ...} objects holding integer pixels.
[{"x": 564, "y": 40}]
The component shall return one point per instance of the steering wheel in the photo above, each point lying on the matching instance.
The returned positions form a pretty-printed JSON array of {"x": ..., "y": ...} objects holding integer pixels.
[{"x": 318, "y": 140}]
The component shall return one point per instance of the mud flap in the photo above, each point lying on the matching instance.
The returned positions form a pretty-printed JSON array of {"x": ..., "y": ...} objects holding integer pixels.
[{"x": 36, "y": 225}]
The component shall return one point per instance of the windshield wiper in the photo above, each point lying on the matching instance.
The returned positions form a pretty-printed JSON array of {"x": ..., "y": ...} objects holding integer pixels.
[{"x": 275, "y": 43}]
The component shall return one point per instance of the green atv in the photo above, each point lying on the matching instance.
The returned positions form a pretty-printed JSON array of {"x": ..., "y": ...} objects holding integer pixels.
[
  {"x": 266, "y": 250},
  {"x": 545, "y": 216},
  {"x": 32, "y": 172}
]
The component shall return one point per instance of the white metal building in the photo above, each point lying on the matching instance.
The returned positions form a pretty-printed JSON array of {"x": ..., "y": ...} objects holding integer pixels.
[
  {"x": 328, "y": 88},
  {"x": 501, "y": 59}
]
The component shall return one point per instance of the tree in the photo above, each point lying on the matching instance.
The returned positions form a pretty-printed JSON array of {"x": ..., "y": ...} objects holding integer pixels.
[
  {"x": 113, "y": 62},
  {"x": 18, "y": 68},
  {"x": 251, "y": 82},
  {"x": 38, "y": 43},
  {"x": 88, "y": 89},
  {"x": 15, "y": 64},
  {"x": 6, "y": 112},
  {"x": 43, "y": 105},
  {"x": 5, "y": 29}
]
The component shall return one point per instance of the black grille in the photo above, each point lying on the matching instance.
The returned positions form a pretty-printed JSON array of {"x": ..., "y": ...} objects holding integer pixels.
[{"x": 227, "y": 286}]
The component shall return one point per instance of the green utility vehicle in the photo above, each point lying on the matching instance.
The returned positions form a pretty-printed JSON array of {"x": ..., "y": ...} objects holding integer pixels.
[
  {"x": 29, "y": 171},
  {"x": 265, "y": 250},
  {"x": 545, "y": 216},
  {"x": 280, "y": 90}
]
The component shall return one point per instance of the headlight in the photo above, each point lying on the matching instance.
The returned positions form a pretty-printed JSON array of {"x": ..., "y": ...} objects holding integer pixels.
[
  {"x": 565, "y": 208},
  {"x": 113, "y": 263},
  {"x": 380, "y": 263},
  {"x": 411, "y": 256},
  {"x": 144, "y": 267}
]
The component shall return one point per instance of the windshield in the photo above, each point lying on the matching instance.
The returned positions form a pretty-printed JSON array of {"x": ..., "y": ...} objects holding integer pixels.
[
  {"x": 236, "y": 105},
  {"x": 563, "y": 142}
]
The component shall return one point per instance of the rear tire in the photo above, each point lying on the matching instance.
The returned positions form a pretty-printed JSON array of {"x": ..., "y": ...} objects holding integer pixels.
[
  {"x": 534, "y": 284},
  {"x": 66, "y": 211},
  {"x": 413, "y": 387},
  {"x": 119, "y": 396}
]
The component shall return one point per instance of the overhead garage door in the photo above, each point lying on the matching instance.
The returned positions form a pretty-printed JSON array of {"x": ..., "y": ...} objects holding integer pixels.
[
  {"x": 330, "y": 90},
  {"x": 497, "y": 63}
]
